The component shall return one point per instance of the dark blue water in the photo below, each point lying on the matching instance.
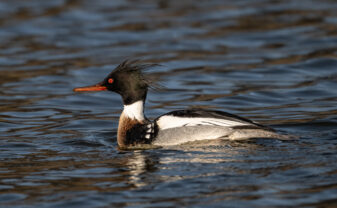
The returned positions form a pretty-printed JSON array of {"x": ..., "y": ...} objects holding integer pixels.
[{"x": 274, "y": 62}]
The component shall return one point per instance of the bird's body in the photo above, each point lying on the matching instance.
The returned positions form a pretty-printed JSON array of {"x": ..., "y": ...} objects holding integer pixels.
[{"x": 175, "y": 127}]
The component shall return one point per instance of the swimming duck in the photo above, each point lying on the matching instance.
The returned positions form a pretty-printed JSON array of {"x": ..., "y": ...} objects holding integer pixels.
[{"x": 173, "y": 128}]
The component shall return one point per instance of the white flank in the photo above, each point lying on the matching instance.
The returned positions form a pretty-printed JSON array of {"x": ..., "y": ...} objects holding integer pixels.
[
  {"x": 135, "y": 110},
  {"x": 168, "y": 122}
]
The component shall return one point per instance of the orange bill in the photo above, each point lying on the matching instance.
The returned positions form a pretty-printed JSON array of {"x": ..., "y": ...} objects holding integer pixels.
[{"x": 90, "y": 88}]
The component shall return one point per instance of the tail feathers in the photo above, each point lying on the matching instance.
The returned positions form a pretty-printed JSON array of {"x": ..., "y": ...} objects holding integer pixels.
[{"x": 244, "y": 134}]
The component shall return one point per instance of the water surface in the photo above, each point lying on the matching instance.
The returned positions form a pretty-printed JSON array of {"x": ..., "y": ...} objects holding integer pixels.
[{"x": 274, "y": 62}]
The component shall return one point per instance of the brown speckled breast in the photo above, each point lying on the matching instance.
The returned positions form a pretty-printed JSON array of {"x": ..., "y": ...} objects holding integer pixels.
[{"x": 125, "y": 125}]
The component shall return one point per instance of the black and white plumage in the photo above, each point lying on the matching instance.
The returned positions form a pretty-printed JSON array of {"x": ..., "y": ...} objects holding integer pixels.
[{"x": 175, "y": 127}]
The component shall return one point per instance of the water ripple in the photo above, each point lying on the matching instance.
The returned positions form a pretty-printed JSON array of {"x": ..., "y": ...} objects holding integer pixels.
[{"x": 271, "y": 61}]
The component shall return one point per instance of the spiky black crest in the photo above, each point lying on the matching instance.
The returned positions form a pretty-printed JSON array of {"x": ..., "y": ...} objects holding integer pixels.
[
  {"x": 135, "y": 66},
  {"x": 128, "y": 79}
]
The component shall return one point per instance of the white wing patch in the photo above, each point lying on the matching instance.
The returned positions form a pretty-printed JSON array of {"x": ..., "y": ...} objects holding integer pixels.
[{"x": 168, "y": 122}]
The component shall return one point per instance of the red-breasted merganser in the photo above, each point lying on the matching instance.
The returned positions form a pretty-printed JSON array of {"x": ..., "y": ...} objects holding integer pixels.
[{"x": 172, "y": 128}]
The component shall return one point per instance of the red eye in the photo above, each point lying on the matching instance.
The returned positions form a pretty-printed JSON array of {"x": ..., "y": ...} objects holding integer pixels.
[{"x": 110, "y": 81}]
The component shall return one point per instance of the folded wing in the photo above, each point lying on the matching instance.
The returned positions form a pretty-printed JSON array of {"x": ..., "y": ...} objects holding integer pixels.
[{"x": 197, "y": 117}]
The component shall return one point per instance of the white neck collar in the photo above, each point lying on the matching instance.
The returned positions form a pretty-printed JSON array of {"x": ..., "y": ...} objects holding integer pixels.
[{"x": 135, "y": 110}]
